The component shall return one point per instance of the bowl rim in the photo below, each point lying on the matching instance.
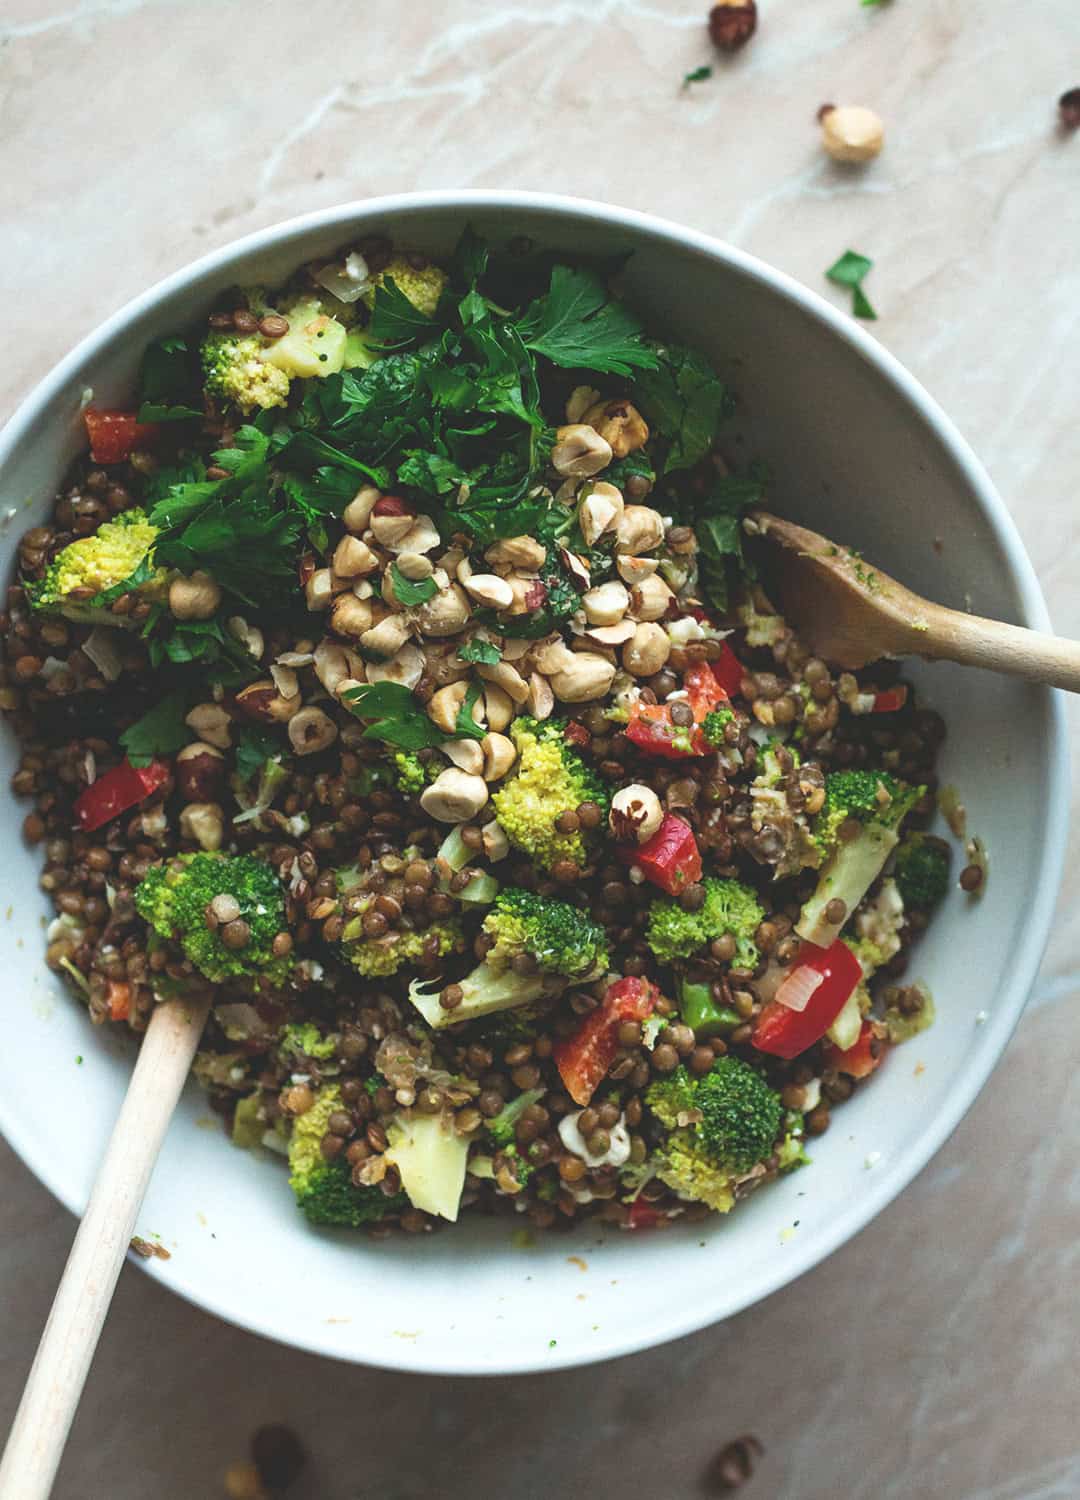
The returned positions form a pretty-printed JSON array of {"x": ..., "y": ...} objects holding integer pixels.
[{"x": 903, "y": 1168}]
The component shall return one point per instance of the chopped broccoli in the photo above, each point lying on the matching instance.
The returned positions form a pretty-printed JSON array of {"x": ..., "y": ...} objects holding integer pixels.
[
  {"x": 235, "y": 369},
  {"x": 325, "y": 1189},
  {"x": 551, "y": 777},
  {"x": 792, "y": 1149},
  {"x": 379, "y": 957},
  {"x": 763, "y": 628},
  {"x": 878, "y": 803},
  {"x": 453, "y": 856},
  {"x": 423, "y": 287},
  {"x": 305, "y": 1039},
  {"x": 485, "y": 990},
  {"x": 253, "y": 371},
  {"x": 713, "y": 725},
  {"x": 913, "y": 1012},
  {"x": 721, "y": 1126},
  {"x": 922, "y": 870},
  {"x": 501, "y": 1126},
  {"x": 771, "y": 808},
  {"x": 559, "y": 937},
  {"x": 411, "y": 773},
  {"x": 173, "y": 898},
  {"x": 249, "y": 1126},
  {"x": 877, "y": 928},
  {"x": 729, "y": 907},
  {"x": 431, "y": 1159},
  {"x": 117, "y": 552}
]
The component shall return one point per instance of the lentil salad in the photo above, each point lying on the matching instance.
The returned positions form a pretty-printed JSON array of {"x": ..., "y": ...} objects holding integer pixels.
[{"x": 394, "y": 667}]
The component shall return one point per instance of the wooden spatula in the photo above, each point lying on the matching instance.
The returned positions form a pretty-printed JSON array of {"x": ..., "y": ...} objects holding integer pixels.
[
  {"x": 36, "y": 1443},
  {"x": 850, "y": 613}
]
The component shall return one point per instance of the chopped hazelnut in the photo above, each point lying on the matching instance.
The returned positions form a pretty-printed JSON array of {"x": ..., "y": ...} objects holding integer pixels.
[{"x": 732, "y": 23}]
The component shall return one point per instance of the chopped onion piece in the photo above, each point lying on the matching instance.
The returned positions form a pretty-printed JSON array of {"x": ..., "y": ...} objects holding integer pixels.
[
  {"x": 349, "y": 282},
  {"x": 797, "y": 988},
  {"x": 100, "y": 647}
]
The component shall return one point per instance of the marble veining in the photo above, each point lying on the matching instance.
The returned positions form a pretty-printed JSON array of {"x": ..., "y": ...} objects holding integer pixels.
[{"x": 935, "y": 1354}]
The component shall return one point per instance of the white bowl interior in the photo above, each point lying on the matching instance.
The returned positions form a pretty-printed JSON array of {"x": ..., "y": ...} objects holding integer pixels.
[{"x": 857, "y": 451}]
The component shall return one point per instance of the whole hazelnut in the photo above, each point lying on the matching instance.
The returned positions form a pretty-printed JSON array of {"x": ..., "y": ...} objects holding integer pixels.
[
  {"x": 1069, "y": 107},
  {"x": 851, "y": 133},
  {"x": 200, "y": 772},
  {"x": 732, "y": 23}
]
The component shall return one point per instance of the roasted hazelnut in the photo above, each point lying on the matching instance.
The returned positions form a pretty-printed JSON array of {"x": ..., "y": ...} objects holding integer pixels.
[
  {"x": 851, "y": 133},
  {"x": 200, "y": 772},
  {"x": 1069, "y": 109},
  {"x": 732, "y": 23},
  {"x": 261, "y": 700}
]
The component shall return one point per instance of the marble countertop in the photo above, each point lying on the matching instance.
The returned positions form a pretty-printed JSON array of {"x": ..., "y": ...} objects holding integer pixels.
[{"x": 934, "y": 1355}]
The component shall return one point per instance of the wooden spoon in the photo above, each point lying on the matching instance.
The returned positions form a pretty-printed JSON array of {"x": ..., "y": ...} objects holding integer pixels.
[
  {"x": 850, "y": 613},
  {"x": 51, "y": 1396}
]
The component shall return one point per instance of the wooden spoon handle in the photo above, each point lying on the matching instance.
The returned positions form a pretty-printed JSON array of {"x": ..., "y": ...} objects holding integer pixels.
[
  {"x": 49, "y": 1401},
  {"x": 998, "y": 647}
]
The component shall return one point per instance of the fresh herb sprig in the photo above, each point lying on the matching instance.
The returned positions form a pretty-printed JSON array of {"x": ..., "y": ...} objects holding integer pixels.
[{"x": 850, "y": 271}]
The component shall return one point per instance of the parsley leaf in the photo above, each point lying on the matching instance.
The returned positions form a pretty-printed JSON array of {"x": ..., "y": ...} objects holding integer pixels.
[
  {"x": 409, "y": 591},
  {"x": 254, "y": 747},
  {"x": 861, "y": 306},
  {"x": 717, "y": 521},
  {"x": 241, "y": 529},
  {"x": 149, "y": 412},
  {"x": 699, "y": 75},
  {"x": 395, "y": 321},
  {"x": 479, "y": 651},
  {"x": 168, "y": 374},
  {"x": 684, "y": 401},
  {"x": 160, "y": 731},
  {"x": 578, "y": 325},
  {"x": 397, "y": 718},
  {"x": 469, "y": 261},
  {"x": 143, "y": 572},
  {"x": 465, "y": 726},
  {"x": 851, "y": 270}
]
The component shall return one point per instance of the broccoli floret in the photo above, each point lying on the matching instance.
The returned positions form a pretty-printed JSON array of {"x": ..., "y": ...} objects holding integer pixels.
[
  {"x": 118, "y": 551},
  {"x": 740, "y": 1114},
  {"x": 305, "y": 1039},
  {"x": 922, "y": 870},
  {"x": 411, "y": 773},
  {"x": 713, "y": 725},
  {"x": 878, "y": 803},
  {"x": 559, "y": 937},
  {"x": 771, "y": 808},
  {"x": 791, "y": 1152},
  {"x": 325, "y": 1189},
  {"x": 252, "y": 371},
  {"x": 721, "y": 1126},
  {"x": 422, "y": 287},
  {"x": 484, "y": 991},
  {"x": 729, "y": 906},
  {"x": 501, "y": 1126},
  {"x": 861, "y": 795},
  {"x": 173, "y": 898},
  {"x": 380, "y": 957},
  {"x": 235, "y": 369},
  {"x": 551, "y": 777}
]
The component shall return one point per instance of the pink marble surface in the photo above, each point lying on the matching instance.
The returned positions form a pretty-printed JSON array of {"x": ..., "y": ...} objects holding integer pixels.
[{"x": 935, "y": 1355}]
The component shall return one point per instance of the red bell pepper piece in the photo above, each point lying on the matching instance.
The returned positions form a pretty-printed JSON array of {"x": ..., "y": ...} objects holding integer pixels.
[
  {"x": 784, "y": 1032},
  {"x": 577, "y": 734},
  {"x": 116, "y": 791},
  {"x": 584, "y": 1058},
  {"x": 651, "y": 727},
  {"x": 859, "y": 1060},
  {"x": 643, "y": 1215},
  {"x": 119, "y": 998},
  {"x": 113, "y": 434},
  {"x": 889, "y": 700},
  {"x": 728, "y": 671},
  {"x": 670, "y": 859}
]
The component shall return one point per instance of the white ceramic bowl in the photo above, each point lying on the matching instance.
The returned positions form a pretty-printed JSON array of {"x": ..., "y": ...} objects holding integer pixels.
[{"x": 858, "y": 450}]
